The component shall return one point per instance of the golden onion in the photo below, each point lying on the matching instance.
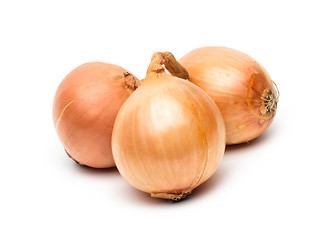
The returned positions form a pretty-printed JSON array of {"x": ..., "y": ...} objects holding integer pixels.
[
  {"x": 239, "y": 85},
  {"x": 169, "y": 136}
]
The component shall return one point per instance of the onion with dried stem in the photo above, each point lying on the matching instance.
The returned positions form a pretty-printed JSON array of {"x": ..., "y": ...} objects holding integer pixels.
[
  {"x": 85, "y": 107},
  {"x": 239, "y": 85},
  {"x": 169, "y": 136}
]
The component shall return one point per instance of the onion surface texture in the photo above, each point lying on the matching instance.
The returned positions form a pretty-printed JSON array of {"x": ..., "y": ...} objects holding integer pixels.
[
  {"x": 239, "y": 85},
  {"x": 169, "y": 136},
  {"x": 85, "y": 107}
]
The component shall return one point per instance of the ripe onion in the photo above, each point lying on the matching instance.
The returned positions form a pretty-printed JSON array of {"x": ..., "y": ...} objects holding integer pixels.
[
  {"x": 85, "y": 107},
  {"x": 169, "y": 136},
  {"x": 240, "y": 86}
]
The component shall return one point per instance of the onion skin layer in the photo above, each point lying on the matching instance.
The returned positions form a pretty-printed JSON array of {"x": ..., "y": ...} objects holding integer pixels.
[
  {"x": 85, "y": 106},
  {"x": 168, "y": 137},
  {"x": 241, "y": 88}
]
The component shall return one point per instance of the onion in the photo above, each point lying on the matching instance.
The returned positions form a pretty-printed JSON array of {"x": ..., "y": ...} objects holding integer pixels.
[
  {"x": 85, "y": 107},
  {"x": 242, "y": 89},
  {"x": 169, "y": 136}
]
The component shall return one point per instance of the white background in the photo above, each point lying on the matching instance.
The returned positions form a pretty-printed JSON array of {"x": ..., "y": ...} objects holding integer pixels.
[{"x": 273, "y": 188}]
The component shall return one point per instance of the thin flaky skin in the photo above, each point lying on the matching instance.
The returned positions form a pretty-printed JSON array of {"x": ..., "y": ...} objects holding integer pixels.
[
  {"x": 239, "y": 85},
  {"x": 85, "y": 106},
  {"x": 169, "y": 136}
]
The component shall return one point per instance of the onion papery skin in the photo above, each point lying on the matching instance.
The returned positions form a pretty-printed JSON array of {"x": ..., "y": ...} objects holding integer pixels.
[
  {"x": 168, "y": 137},
  {"x": 85, "y": 106},
  {"x": 240, "y": 86}
]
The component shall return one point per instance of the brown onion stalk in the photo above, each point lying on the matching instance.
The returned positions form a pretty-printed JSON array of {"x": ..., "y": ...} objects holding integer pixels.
[
  {"x": 239, "y": 85},
  {"x": 85, "y": 107},
  {"x": 169, "y": 136}
]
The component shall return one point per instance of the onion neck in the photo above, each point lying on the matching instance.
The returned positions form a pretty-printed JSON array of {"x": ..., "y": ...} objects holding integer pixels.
[
  {"x": 131, "y": 82},
  {"x": 170, "y": 63}
]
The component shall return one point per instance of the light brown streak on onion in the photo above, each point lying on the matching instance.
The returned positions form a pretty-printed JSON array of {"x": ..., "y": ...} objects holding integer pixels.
[
  {"x": 61, "y": 113},
  {"x": 205, "y": 153}
]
